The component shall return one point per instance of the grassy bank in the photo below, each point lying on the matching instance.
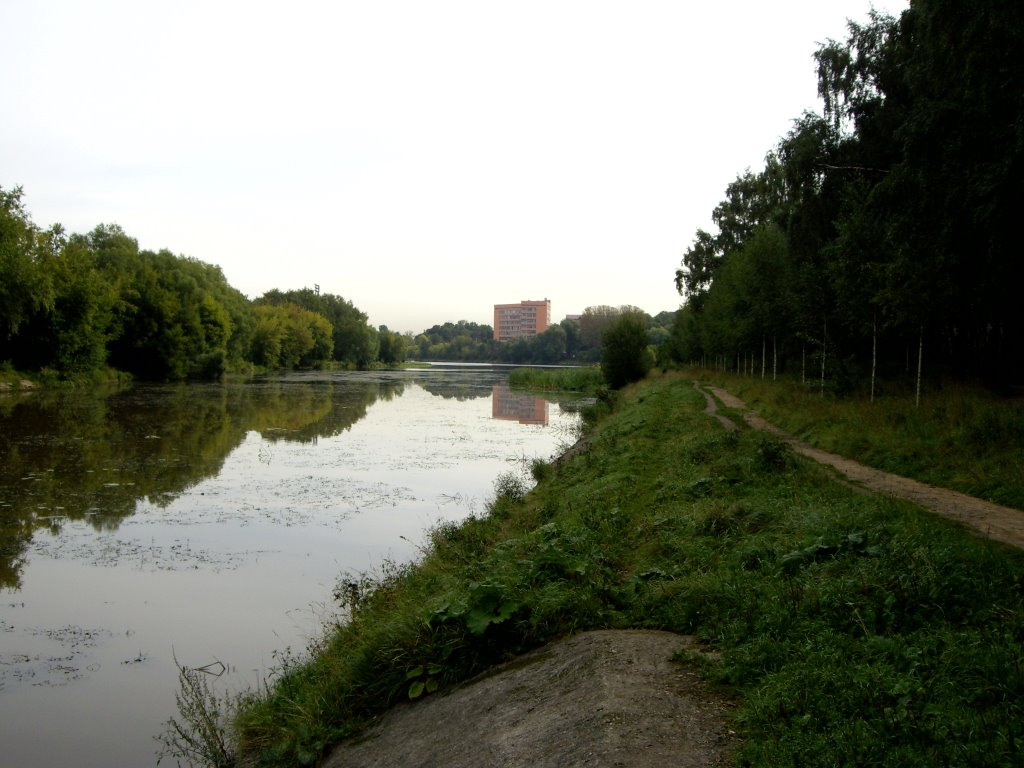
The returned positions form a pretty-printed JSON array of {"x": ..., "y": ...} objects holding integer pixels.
[
  {"x": 586, "y": 379},
  {"x": 13, "y": 380},
  {"x": 959, "y": 437},
  {"x": 852, "y": 630}
]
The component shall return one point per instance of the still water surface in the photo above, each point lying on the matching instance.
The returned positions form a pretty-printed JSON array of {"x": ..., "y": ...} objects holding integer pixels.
[{"x": 210, "y": 523}]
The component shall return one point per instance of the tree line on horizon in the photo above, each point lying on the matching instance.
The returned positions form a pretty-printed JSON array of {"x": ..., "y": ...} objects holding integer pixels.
[
  {"x": 73, "y": 305},
  {"x": 576, "y": 340},
  {"x": 81, "y": 303},
  {"x": 881, "y": 238}
]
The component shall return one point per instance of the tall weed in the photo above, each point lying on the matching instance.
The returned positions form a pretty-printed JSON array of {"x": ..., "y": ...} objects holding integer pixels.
[{"x": 557, "y": 379}]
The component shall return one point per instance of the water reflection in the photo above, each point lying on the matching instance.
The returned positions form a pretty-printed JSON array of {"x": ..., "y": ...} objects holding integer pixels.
[
  {"x": 526, "y": 409},
  {"x": 94, "y": 457},
  {"x": 210, "y": 522}
]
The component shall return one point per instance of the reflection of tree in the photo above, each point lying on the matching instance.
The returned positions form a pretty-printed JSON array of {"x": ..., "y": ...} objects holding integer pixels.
[
  {"x": 457, "y": 384},
  {"x": 93, "y": 456},
  {"x": 307, "y": 412}
]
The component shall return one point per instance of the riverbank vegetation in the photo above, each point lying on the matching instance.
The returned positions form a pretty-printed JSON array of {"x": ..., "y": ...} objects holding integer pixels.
[
  {"x": 80, "y": 307},
  {"x": 587, "y": 379},
  {"x": 75, "y": 306},
  {"x": 851, "y": 629},
  {"x": 880, "y": 240}
]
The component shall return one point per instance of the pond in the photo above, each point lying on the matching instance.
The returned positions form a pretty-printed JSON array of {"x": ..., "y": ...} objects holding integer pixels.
[{"x": 210, "y": 524}]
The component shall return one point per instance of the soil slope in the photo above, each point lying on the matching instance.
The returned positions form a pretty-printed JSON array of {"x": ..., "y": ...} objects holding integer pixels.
[{"x": 603, "y": 698}]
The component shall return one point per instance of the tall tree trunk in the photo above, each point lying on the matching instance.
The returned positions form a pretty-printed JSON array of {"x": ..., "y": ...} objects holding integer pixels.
[
  {"x": 824, "y": 337},
  {"x": 764, "y": 358},
  {"x": 920, "y": 355},
  {"x": 874, "y": 353},
  {"x": 775, "y": 359},
  {"x": 803, "y": 364}
]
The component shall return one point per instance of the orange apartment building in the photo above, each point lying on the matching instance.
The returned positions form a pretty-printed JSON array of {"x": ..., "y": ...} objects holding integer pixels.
[{"x": 527, "y": 318}]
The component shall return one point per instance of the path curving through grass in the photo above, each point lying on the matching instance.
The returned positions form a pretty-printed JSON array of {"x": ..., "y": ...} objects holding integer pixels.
[{"x": 988, "y": 519}]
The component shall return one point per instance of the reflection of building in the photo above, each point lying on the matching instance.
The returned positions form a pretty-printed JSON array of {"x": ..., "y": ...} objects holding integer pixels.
[
  {"x": 527, "y": 318},
  {"x": 522, "y": 408}
]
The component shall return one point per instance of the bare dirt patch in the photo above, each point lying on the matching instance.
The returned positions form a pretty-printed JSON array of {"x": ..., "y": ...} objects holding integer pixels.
[
  {"x": 991, "y": 520},
  {"x": 602, "y": 698}
]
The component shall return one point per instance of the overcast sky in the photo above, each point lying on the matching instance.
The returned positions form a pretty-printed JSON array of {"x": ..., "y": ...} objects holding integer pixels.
[{"x": 425, "y": 160}]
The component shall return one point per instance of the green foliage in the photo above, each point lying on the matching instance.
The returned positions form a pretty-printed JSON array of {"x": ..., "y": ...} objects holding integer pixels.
[
  {"x": 200, "y": 734},
  {"x": 557, "y": 379},
  {"x": 424, "y": 679},
  {"x": 894, "y": 211},
  {"x": 550, "y": 345},
  {"x": 570, "y": 341},
  {"x": 625, "y": 356},
  {"x": 355, "y": 343},
  {"x": 24, "y": 286},
  {"x": 392, "y": 346},
  {"x": 463, "y": 340},
  {"x": 76, "y": 305},
  {"x": 852, "y": 629},
  {"x": 484, "y": 606},
  {"x": 540, "y": 470},
  {"x": 960, "y": 437},
  {"x": 510, "y": 488}
]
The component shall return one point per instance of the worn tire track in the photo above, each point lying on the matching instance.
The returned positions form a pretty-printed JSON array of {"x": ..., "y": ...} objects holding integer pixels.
[{"x": 986, "y": 518}]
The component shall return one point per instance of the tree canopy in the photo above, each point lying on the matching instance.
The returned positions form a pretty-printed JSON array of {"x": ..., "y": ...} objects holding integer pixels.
[
  {"x": 882, "y": 224},
  {"x": 80, "y": 303}
]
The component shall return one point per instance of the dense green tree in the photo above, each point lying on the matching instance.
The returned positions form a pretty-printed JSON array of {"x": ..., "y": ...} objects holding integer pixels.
[
  {"x": 897, "y": 206},
  {"x": 355, "y": 341},
  {"x": 751, "y": 201},
  {"x": 67, "y": 331},
  {"x": 573, "y": 338},
  {"x": 288, "y": 336},
  {"x": 462, "y": 340},
  {"x": 625, "y": 356},
  {"x": 175, "y": 317},
  {"x": 593, "y": 323},
  {"x": 25, "y": 288},
  {"x": 549, "y": 346},
  {"x": 392, "y": 346},
  {"x": 72, "y": 336},
  {"x": 684, "y": 343},
  {"x": 518, "y": 350},
  {"x": 86, "y": 301}
]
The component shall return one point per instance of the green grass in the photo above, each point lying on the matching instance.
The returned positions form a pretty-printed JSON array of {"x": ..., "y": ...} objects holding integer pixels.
[
  {"x": 558, "y": 379},
  {"x": 851, "y": 629},
  {"x": 960, "y": 437}
]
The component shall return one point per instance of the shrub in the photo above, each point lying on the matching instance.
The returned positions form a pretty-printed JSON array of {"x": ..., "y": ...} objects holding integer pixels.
[{"x": 624, "y": 354}]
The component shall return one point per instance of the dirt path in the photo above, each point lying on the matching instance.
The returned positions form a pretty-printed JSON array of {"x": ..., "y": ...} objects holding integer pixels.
[
  {"x": 991, "y": 520},
  {"x": 602, "y": 698}
]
